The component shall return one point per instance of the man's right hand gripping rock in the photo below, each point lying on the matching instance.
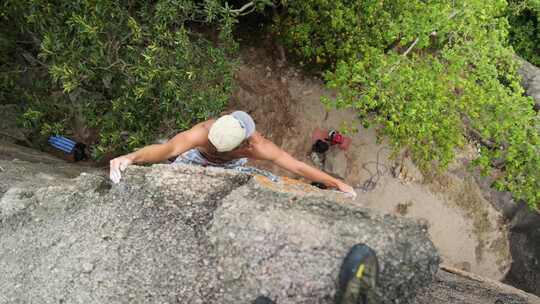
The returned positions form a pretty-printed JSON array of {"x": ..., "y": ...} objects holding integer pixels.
[{"x": 118, "y": 165}]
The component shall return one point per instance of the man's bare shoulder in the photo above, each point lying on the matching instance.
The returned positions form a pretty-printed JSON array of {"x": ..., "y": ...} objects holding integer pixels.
[
  {"x": 207, "y": 124},
  {"x": 196, "y": 136},
  {"x": 202, "y": 128},
  {"x": 263, "y": 149}
]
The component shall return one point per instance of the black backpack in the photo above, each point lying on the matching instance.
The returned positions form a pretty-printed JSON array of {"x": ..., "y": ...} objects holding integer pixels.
[{"x": 320, "y": 146}]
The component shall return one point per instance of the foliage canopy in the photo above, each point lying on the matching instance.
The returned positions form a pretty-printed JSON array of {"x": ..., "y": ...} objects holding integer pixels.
[
  {"x": 434, "y": 74},
  {"x": 524, "y": 18},
  {"x": 127, "y": 70}
]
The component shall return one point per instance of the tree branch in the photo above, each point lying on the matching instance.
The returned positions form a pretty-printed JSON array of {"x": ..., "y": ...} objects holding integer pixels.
[
  {"x": 411, "y": 47},
  {"x": 474, "y": 134},
  {"x": 243, "y": 8}
]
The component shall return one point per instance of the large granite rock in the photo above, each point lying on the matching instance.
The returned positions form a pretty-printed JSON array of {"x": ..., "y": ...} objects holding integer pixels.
[
  {"x": 290, "y": 247},
  {"x": 180, "y": 234}
]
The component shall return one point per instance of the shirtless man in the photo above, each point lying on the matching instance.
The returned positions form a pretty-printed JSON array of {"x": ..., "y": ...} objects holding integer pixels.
[{"x": 222, "y": 142}]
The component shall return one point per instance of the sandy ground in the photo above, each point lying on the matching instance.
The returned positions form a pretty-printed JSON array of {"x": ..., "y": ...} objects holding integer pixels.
[{"x": 468, "y": 232}]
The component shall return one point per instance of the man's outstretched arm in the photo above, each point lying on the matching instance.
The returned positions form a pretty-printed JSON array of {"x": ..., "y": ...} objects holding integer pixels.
[
  {"x": 159, "y": 152},
  {"x": 270, "y": 151}
]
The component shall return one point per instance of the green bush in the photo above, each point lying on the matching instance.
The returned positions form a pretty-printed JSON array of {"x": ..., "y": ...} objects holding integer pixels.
[
  {"x": 524, "y": 18},
  {"x": 128, "y": 71},
  {"x": 434, "y": 74}
]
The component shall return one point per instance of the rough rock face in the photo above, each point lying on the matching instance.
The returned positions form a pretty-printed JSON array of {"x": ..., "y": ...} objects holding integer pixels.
[
  {"x": 531, "y": 81},
  {"x": 525, "y": 240},
  {"x": 524, "y": 237},
  {"x": 290, "y": 247},
  {"x": 177, "y": 234}
]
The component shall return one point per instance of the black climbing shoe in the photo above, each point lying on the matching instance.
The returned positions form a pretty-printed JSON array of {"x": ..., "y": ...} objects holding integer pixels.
[
  {"x": 358, "y": 277},
  {"x": 263, "y": 300}
]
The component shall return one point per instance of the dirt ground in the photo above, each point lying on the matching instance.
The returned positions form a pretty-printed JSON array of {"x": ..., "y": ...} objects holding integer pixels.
[{"x": 286, "y": 106}]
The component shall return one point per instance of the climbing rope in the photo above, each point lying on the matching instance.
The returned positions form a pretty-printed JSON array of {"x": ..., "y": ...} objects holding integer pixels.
[{"x": 381, "y": 169}]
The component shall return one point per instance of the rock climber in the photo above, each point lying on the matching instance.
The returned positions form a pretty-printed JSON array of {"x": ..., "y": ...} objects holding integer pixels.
[{"x": 224, "y": 142}]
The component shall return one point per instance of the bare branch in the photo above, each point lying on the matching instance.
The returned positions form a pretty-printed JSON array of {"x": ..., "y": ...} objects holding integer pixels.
[
  {"x": 243, "y": 8},
  {"x": 411, "y": 47}
]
